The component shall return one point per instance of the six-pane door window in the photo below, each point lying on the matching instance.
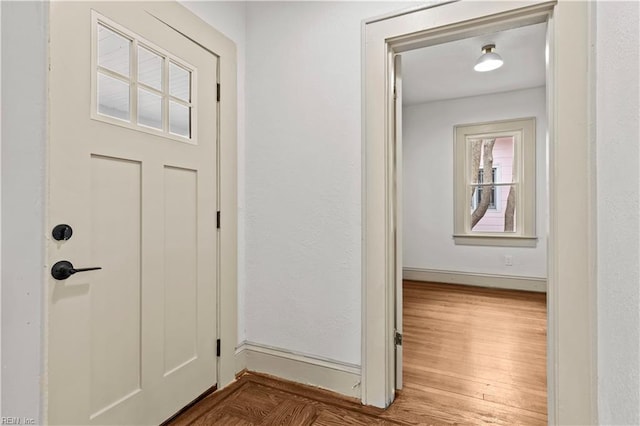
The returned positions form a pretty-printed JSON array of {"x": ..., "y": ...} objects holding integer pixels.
[{"x": 141, "y": 86}]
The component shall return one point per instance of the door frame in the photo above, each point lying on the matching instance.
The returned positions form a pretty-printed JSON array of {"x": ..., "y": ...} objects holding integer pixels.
[
  {"x": 571, "y": 335},
  {"x": 189, "y": 25}
]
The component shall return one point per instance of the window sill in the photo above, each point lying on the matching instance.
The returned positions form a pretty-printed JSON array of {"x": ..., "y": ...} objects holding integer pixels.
[{"x": 495, "y": 240}]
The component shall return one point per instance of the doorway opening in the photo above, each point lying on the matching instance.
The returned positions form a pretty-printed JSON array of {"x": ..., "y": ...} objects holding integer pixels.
[
  {"x": 472, "y": 213},
  {"x": 571, "y": 394}
]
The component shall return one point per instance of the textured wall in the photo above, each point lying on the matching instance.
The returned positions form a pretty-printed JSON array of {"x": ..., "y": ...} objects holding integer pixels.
[
  {"x": 618, "y": 165},
  {"x": 303, "y": 183},
  {"x": 303, "y": 189},
  {"x": 24, "y": 29},
  {"x": 428, "y": 184}
]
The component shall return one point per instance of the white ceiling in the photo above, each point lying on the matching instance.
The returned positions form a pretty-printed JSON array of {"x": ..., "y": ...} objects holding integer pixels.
[{"x": 445, "y": 71}]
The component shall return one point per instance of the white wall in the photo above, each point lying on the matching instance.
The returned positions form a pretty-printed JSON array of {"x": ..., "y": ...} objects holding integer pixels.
[
  {"x": 302, "y": 172},
  {"x": 303, "y": 182},
  {"x": 428, "y": 184},
  {"x": 24, "y": 58},
  {"x": 229, "y": 17},
  {"x": 618, "y": 187},
  {"x": 0, "y": 208}
]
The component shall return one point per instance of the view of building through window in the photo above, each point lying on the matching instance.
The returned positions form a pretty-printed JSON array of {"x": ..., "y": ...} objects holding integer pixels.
[
  {"x": 497, "y": 207},
  {"x": 499, "y": 215}
]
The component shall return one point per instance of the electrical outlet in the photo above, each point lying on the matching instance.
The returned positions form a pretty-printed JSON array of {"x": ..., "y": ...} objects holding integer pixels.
[{"x": 508, "y": 260}]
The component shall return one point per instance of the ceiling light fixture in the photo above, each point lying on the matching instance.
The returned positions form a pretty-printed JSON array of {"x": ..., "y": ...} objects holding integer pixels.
[{"x": 489, "y": 60}]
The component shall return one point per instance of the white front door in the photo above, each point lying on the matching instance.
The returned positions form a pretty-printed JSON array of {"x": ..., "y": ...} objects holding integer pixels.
[{"x": 132, "y": 172}]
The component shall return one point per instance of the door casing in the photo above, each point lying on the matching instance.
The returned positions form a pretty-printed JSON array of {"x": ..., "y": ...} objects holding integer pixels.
[
  {"x": 186, "y": 23},
  {"x": 571, "y": 336}
]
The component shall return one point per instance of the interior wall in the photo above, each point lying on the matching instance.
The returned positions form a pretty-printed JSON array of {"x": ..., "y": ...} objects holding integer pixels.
[
  {"x": 23, "y": 106},
  {"x": 0, "y": 208},
  {"x": 303, "y": 182},
  {"x": 428, "y": 185},
  {"x": 618, "y": 189},
  {"x": 229, "y": 18},
  {"x": 323, "y": 63}
]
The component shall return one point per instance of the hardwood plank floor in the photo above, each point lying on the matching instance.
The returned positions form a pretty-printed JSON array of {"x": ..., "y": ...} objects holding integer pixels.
[
  {"x": 471, "y": 356},
  {"x": 476, "y": 355}
]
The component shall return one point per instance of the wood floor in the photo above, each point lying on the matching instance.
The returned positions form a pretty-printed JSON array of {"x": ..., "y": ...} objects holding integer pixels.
[
  {"x": 471, "y": 356},
  {"x": 474, "y": 355}
]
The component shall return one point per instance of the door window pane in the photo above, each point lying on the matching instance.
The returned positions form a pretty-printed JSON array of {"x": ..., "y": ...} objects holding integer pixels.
[
  {"x": 179, "y": 82},
  {"x": 149, "y": 68},
  {"x": 113, "y": 97},
  {"x": 179, "y": 119},
  {"x": 146, "y": 87},
  {"x": 113, "y": 51},
  {"x": 149, "y": 109}
]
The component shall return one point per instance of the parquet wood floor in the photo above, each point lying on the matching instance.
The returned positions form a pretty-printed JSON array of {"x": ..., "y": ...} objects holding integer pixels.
[{"x": 471, "y": 356}]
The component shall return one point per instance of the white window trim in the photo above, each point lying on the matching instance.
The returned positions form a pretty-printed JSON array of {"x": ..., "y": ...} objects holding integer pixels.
[
  {"x": 524, "y": 160},
  {"x": 132, "y": 123}
]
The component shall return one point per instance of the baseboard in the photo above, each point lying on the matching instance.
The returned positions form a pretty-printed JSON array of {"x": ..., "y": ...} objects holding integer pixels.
[
  {"x": 241, "y": 359},
  {"x": 480, "y": 280},
  {"x": 328, "y": 374}
]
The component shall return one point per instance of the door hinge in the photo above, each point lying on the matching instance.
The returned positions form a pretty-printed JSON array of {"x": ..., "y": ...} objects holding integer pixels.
[
  {"x": 218, "y": 92},
  {"x": 218, "y": 347},
  {"x": 398, "y": 339},
  {"x": 218, "y": 219}
]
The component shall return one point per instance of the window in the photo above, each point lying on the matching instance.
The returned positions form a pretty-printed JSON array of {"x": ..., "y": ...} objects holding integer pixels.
[
  {"x": 140, "y": 86},
  {"x": 496, "y": 208},
  {"x": 475, "y": 201}
]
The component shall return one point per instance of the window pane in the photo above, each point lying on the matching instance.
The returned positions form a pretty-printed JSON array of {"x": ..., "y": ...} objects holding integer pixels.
[
  {"x": 500, "y": 212},
  {"x": 149, "y": 109},
  {"x": 113, "y": 97},
  {"x": 179, "y": 82},
  {"x": 113, "y": 51},
  {"x": 149, "y": 68},
  {"x": 503, "y": 156},
  {"x": 501, "y": 152},
  {"x": 478, "y": 192},
  {"x": 475, "y": 157},
  {"x": 179, "y": 119}
]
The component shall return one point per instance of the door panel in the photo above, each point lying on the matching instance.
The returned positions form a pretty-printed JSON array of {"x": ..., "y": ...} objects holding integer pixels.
[
  {"x": 180, "y": 276},
  {"x": 115, "y": 294},
  {"x": 134, "y": 342}
]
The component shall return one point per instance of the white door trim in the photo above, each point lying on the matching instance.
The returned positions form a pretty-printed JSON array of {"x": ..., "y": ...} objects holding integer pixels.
[{"x": 572, "y": 347}]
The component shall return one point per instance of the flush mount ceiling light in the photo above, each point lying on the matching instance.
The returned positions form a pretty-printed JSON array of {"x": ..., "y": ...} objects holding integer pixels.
[{"x": 489, "y": 60}]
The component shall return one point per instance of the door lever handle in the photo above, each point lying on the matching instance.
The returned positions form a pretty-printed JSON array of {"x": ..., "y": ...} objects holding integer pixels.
[{"x": 64, "y": 269}]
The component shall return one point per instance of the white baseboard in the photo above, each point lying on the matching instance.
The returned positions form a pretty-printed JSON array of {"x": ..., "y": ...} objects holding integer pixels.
[
  {"x": 328, "y": 374},
  {"x": 475, "y": 279},
  {"x": 241, "y": 358}
]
